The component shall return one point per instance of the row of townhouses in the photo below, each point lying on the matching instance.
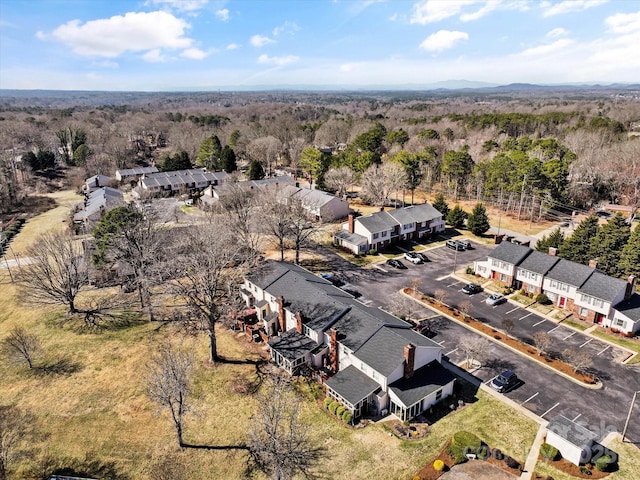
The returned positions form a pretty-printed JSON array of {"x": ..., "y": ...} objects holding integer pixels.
[
  {"x": 371, "y": 362},
  {"x": 378, "y": 230},
  {"x": 583, "y": 290}
]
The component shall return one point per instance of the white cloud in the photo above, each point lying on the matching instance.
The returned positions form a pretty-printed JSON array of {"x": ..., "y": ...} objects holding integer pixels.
[
  {"x": 154, "y": 56},
  {"x": 443, "y": 40},
  {"x": 277, "y": 61},
  {"x": 393, "y": 17},
  {"x": 287, "y": 27},
  {"x": 133, "y": 32},
  {"x": 182, "y": 5},
  {"x": 557, "y": 32},
  {"x": 430, "y": 11},
  {"x": 223, "y": 14},
  {"x": 233, "y": 46},
  {"x": 623, "y": 23},
  {"x": 194, "y": 54},
  {"x": 260, "y": 41},
  {"x": 548, "y": 48},
  {"x": 567, "y": 6},
  {"x": 488, "y": 7},
  {"x": 40, "y": 35}
]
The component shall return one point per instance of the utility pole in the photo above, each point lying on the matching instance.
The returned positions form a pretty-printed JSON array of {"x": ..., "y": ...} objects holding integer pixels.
[{"x": 626, "y": 423}]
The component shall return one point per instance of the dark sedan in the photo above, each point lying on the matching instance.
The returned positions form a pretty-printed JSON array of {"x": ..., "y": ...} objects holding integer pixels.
[
  {"x": 392, "y": 262},
  {"x": 471, "y": 288}
]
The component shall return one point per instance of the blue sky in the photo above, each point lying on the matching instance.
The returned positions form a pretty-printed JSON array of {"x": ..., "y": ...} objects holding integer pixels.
[{"x": 152, "y": 45}]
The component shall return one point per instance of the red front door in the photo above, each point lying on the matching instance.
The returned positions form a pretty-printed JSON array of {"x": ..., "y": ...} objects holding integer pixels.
[{"x": 562, "y": 301}]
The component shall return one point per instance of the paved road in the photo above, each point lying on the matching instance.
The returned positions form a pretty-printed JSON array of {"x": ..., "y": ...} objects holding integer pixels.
[{"x": 542, "y": 391}]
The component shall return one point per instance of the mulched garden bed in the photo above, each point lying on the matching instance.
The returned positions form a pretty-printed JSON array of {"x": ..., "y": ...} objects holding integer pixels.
[
  {"x": 569, "y": 468},
  {"x": 503, "y": 338}
]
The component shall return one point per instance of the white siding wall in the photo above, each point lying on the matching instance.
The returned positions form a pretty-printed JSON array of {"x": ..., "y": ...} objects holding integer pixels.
[
  {"x": 574, "y": 454},
  {"x": 426, "y": 355}
]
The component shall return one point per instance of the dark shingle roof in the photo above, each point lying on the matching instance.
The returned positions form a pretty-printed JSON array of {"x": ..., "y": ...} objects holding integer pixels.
[
  {"x": 571, "y": 273},
  {"x": 430, "y": 378},
  {"x": 292, "y": 345},
  {"x": 538, "y": 262},
  {"x": 602, "y": 286},
  {"x": 377, "y": 222},
  {"x": 630, "y": 307},
  {"x": 572, "y": 432},
  {"x": 422, "y": 212},
  {"x": 510, "y": 253},
  {"x": 353, "y": 238},
  {"x": 352, "y": 385}
]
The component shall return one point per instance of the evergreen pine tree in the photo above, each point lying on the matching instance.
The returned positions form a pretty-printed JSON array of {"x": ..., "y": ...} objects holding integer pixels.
[
  {"x": 555, "y": 240},
  {"x": 440, "y": 204},
  {"x": 228, "y": 159},
  {"x": 577, "y": 247},
  {"x": 478, "y": 221},
  {"x": 607, "y": 245},
  {"x": 456, "y": 217},
  {"x": 255, "y": 172},
  {"x": 630, "y": 256}
]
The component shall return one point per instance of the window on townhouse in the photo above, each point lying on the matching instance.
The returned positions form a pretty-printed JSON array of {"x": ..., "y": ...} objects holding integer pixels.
[
  {"x": 583, "y": 312},
  {"x": 531, "y": 288},
  {"x": 438, "y": 395},
  {"x": 374, "y": 375},
  {"x": 375, "y": 235},
  {"x": 597, "y": 303},
  {"x": 383, "y": 234},
  {"x": 503, "y": 277},
  {"x": 306, "y": 331},
  {"x": 619, "y": 322}
]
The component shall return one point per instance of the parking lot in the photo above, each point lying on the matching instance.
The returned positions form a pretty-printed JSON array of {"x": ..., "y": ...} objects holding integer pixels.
[{"x": 541, "y": 390}]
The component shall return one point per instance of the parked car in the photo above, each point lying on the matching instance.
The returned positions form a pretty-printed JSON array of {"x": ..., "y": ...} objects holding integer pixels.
[
  {"x": 466, "y": 244},
  {"x": 495, "y": 299},
  {"x": 471, "y": 288},
  {"x": 423, "y": 257},
  {"x": 333, "y": 279},
  {"x": 454, "y": 245},
  {"x": 505, "y": 381},
  {"x": 392, "y": 262},
  {"x": 413, "y": 257}
]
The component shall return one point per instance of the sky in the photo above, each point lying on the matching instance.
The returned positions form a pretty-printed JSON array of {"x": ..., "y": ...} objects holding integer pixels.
[{"x": 175, "y": 45}]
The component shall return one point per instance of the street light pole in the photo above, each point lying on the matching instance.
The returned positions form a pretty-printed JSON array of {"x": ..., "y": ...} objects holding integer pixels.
[{"x": 626, "y": 423}]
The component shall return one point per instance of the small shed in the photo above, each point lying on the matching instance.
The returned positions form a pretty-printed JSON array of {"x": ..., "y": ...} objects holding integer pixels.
[{"x": 574, "y": 441}]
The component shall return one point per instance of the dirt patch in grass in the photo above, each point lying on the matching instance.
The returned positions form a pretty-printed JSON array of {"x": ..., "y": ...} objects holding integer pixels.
[
  {"x": 524, "y": 348},
  {"x": 573, "y": 470}
]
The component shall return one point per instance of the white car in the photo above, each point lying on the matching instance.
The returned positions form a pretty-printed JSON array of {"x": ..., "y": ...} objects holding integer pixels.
[
  {"x": 495, "y": 299},
  {"x": 413, "y": 257}
]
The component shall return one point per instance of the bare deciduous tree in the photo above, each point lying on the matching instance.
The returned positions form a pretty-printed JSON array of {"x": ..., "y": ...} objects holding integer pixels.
[
  {"x": 339, "y": 179},
  {"x": 279, "y": 442},
  {"x": 402, "y": 306},
  {"x": 209, "y": 271},
  {"x": 57, "y": 272},
  {"x": 578, "y": 359},
  {"x": 542, "y": 341},
  {"x": 475, "y": 348},
  {"x": 14, "y": 427},
  {"x": 507, "y": 326},
  {"x": 301, "y": 229},
  {"x": 440, "y": 295},
  {"x": 415, "y": 285},
  {"x": 465, "y": 307},
  {"x": 238, "y": 209},
  {"x": 21, "y": 346},
  {"x": 168, "y": 384},
  {"x": 379, "y": 181}
]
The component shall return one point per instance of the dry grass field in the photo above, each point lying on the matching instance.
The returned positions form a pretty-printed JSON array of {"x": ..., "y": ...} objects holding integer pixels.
[{"x": 90, "y": 412}]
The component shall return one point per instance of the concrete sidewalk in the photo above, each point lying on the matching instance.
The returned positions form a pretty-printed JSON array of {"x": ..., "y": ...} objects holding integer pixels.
[{"x": 532, "y": 459}]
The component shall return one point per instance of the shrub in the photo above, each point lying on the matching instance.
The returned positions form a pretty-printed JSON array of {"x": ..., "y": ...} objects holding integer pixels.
[
  {"x": 373, "y": 252},
  {"x": 438, "y": 465},
  {"x": 542, "y": 299},
  {"x": 333, "y": 406},
  {"x": 347, "y": 416},
  {"x": 469, "y": 271},
  {"x": 340, "y": 410},
  {"x": 497, "y": 454},
  {"x": 584, "y": 470},
  {"x": 603, "y": 463},
  {"x": 511, "y": 462},
  {"x": 548, "y": 451},
  {"x": 327, "y": 402}
]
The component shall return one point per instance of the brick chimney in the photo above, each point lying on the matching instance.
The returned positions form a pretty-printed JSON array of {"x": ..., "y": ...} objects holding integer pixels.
[
  {"x": 281, "y": 314},
  {"x": 409, "y": 360},
  {"x": 593, "y": 263},
  {"x": 298, "y": 323},
  {"x": 350, "y": 222},
  {"x": 631, "y": 286},
  {"x": 333, "y": 353},
  {"x": 553, "y": 251}
]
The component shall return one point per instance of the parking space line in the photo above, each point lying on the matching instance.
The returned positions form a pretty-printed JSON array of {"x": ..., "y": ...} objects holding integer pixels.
[
  {"x": 604, "y": 349},
  {"x": 536, "y": 324},
  {"x": 528, "y": 314},
  {"x": 513, "y": 309},
  {"x": 550, "y": 409},
  {"x": 554, "y": 329},
  {"x": 452, "y": 284},
  {"x": 588, "y": 341},
  {"x": 570, "y": 335},
  {"x": 530, "y": 398},
  {"x": 440, "y": 343},
  {"x": 449, "y": 353},
  {"x": 578, "y": 416}
]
